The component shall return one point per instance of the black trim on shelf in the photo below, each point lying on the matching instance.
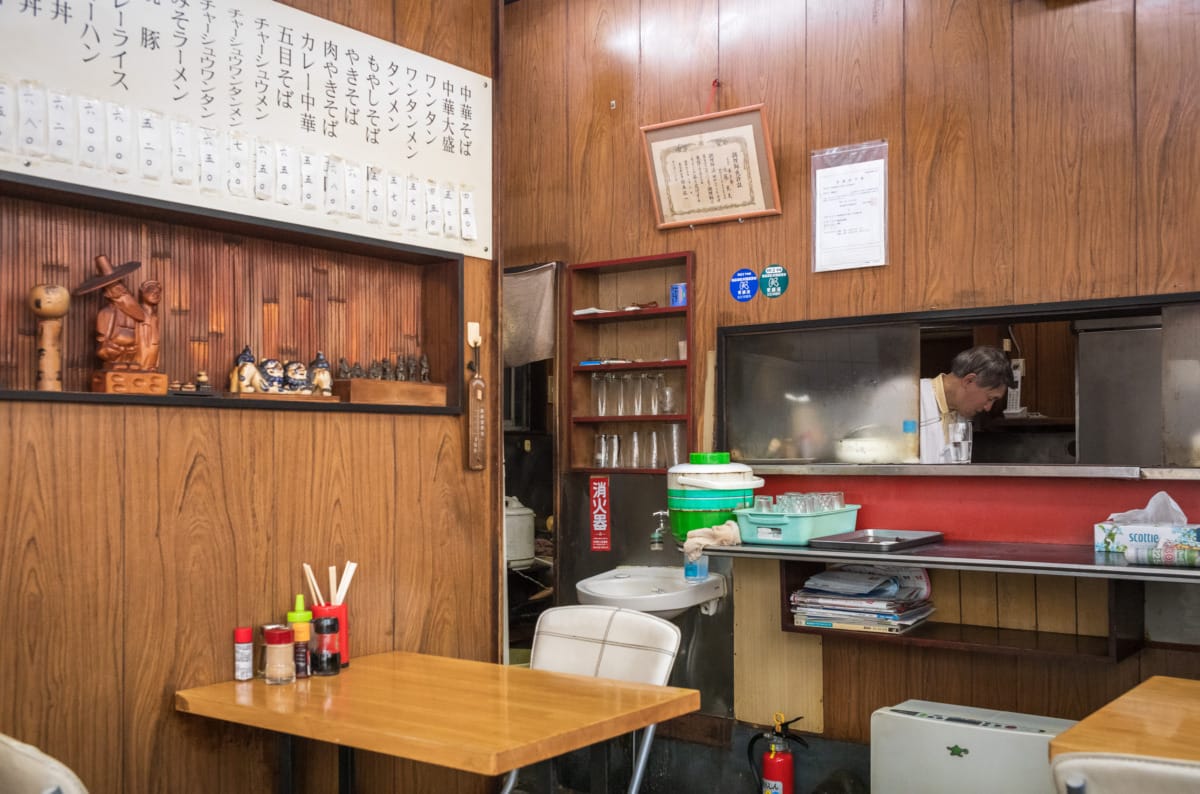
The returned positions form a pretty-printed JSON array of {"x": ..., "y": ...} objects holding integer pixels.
[
  {"x": 601, "y": 420},
  {"x": 624, "y": 315},
  {"x": 220, "y": 400},
  {"x": 673, "y": 363}
]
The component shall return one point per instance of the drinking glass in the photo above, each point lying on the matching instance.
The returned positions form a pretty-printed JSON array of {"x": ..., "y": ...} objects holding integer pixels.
[
  {"x": 599, "y": 394},
  {"x": 614, "y": 452},
  {"x": 600, "y": 451},
  {"x": 763, "y": 504},
  {"x": 616, "y": 394},
  {"x": 676, "y": 445},
  {"x": 650, "y": 389},
  {"x": 633, "y": 450},
  {"x": 666, "y": 396},
  {"x": 653, "y": 455},
  {"x": 636, "y": 387}
]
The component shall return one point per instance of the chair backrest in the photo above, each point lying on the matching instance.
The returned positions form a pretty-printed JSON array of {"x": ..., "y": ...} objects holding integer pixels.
[
  {"x": 605, "y": 642},
  {"x": 1118, "y": 773},
  {"x": 24, "y": 769}
]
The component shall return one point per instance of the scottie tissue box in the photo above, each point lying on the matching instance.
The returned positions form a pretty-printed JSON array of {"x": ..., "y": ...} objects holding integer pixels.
[{"x": 1160, "y": 521}]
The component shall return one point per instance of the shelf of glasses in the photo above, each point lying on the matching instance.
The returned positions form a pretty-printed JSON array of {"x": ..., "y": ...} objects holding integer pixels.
[
  {"x": 678, "y": 363},
  {"x": 596, "y": 420}
]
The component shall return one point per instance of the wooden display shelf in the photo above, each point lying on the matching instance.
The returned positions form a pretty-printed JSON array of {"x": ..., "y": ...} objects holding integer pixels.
[
  {"x": 388, "y": 392},
  {"x": 676, "y": 363},
  {"x": 625, "y": 315},
  {"x": 597, "y": 420}
]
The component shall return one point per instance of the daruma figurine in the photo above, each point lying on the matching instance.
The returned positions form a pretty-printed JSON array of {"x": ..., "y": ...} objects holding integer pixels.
[{"x": 49, "y": 302}]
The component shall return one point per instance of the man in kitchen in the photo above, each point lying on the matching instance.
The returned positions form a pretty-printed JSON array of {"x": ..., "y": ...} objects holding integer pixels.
[{"x": 978, "y": 378}]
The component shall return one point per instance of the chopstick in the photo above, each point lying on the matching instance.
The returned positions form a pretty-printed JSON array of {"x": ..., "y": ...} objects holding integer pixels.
[
  {"x": 333, "y": 581},
  {"x": 347, "y": 575},
  {"x": 314, "y": 591}
]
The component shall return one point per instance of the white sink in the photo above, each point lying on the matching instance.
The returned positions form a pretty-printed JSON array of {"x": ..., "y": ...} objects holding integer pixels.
[{"x": 657, "y": 589}]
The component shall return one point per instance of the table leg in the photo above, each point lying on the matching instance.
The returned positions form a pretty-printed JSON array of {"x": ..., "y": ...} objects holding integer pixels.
[
  {"x": 285, "y": 763},
  {"x": 599, "y": 767},
  {"x": 345, "y": 770}
]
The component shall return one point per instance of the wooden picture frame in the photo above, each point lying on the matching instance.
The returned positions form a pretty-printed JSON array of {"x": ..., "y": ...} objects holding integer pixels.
[{"x": 711, "y": 168}]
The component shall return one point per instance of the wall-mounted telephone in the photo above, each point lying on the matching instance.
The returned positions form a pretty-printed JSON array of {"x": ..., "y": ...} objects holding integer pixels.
[{"x": 1013, "y": 407}]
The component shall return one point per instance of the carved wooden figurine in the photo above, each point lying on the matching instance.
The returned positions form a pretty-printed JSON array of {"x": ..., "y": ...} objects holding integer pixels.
[
  {"x": 128, "y": 336},
  {"x": 50, "y": 303}
]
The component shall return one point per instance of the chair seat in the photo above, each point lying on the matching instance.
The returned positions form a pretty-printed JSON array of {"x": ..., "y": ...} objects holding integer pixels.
[
  {"x": 24, "y": 769},
  {"x": 1119, "y": 773}
]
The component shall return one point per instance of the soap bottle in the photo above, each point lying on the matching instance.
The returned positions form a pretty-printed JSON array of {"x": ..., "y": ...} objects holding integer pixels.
[{"x": 696, "y": 571}]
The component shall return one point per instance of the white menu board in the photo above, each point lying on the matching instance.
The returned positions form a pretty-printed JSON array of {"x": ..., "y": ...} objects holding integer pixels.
[{"x": 243, "y": 108}]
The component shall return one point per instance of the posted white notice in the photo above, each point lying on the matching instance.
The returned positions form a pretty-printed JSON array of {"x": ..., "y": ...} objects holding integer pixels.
[{"x": 850, "y": 216}]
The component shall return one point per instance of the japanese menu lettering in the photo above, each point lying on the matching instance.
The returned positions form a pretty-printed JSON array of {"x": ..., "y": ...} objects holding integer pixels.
[{"x": 251, "y": 108}]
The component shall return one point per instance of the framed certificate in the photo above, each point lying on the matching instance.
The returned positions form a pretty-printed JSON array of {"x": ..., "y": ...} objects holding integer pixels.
[{"x": 711, "y": 168}]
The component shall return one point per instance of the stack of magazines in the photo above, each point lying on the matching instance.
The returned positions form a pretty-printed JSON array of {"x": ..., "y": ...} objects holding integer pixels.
[{"x": 882, "y": 598}]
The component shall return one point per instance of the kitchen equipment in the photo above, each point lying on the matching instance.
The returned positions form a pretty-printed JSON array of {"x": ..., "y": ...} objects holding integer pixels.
[
  {"x": 877, "y": 539},
  {"x": 518, "y": 534},
  {"x": 793, "y": 529},
  {"x": 932, "y": 748},
  {"x": 706, "y": 491},
  {"x": 871, "y": 444}
]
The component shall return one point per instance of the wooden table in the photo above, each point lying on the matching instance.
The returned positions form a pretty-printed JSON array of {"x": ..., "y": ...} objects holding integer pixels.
[
  {"x": 472, "y": 716},
  {"x": 1159, "y": 717}
]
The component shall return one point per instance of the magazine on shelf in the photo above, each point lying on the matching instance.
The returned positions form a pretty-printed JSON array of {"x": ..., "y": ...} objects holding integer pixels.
[
  {"x": 905, "y": 616},
  {"x": 881, "y": 627}
]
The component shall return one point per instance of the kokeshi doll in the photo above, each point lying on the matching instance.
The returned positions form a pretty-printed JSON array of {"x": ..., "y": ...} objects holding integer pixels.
[{"x": 50, "y": 303}]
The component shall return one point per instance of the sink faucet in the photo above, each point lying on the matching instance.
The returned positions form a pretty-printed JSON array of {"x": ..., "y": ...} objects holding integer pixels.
[{"x": 656, "y": 536}]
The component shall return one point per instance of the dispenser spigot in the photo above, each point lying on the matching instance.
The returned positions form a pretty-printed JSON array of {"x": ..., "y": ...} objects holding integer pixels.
[{"x": 656, "y": 536}]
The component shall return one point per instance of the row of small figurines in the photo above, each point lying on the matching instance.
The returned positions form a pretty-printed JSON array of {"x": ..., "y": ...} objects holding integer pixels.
[{"x": 271, "y": 376}]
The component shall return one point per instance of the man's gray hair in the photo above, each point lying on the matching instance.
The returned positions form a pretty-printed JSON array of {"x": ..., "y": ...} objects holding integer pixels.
[{"x": 989, "y": 364}]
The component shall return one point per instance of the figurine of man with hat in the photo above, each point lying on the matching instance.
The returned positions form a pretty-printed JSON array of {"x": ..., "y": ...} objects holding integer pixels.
[{"x": 128, "y": 336}]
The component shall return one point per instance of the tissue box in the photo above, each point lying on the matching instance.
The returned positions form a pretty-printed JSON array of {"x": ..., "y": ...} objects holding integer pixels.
[{"x": 1111, "y": 536}]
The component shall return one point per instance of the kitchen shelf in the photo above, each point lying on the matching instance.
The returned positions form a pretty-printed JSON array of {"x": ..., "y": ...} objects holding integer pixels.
[
  {"x": 648, "y": 341},
  {"x": 678, "y": 363},
  {"x": 1125, "y": 617}
]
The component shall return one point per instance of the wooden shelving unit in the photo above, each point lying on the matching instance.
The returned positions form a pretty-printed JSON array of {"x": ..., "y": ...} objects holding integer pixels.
[{"x": 638, "y": 348}]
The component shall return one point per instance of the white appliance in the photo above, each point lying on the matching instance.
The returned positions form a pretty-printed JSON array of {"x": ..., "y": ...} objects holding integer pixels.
[
  {"x": 921, "y": 747},
  {"x": 518, "y": 534}
]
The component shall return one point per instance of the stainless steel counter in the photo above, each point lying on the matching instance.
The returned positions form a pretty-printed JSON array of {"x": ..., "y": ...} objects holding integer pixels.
[{"x": 1033, "y": 558}]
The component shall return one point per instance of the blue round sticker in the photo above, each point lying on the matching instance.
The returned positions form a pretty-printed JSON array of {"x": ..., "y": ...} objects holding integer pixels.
[{"x": 743, "y": 284}]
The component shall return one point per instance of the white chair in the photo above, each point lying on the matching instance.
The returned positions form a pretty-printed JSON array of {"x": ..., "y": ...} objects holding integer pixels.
[
  {"x": 606, "y": 642},
  {"x": 1119, "y": 773},
  {"x": 24, "y": 769}
]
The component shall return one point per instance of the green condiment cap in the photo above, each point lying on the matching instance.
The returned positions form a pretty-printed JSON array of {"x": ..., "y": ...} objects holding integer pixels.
[
  {"x": 299, "y": 614},
  {"x": 709, "y": 457}
]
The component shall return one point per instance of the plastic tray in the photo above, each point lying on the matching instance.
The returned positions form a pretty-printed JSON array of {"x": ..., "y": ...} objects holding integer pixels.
[
  {"x": 877, "y": 539},
  {"x": 793, "y": 529}
]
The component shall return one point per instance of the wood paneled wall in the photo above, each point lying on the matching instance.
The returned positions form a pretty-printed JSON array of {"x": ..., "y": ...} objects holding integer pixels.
[
  {"x": 135, "y": 538},
  {"x": 1039, "y": 150}
]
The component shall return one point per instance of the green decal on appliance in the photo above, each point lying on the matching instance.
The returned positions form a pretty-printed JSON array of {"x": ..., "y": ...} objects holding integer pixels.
[{"x": 773, "y": 281}]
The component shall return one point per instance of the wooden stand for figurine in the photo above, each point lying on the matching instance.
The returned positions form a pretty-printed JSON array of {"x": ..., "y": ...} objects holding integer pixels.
[
  {"x": 129, "y": 381},
  {"x": 50, "y": 303},
  {"x": 390, "y": 392}
]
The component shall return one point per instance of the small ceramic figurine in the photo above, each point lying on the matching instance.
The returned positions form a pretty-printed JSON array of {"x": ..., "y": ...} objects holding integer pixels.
[
  {"x": 318, "y": 373},
  {"x": 295, "y": 378},
  {"x": 375, "y": 371},
  {"x": 50, "y": 303},
  {"x": 401, "y": 370},
  {"x": 424, "y": 368},
  {"x": 202, "y": 383},
  {"x": 411, "y": 364},
  {"x": 343, "y": 372},
  {"x": 271, "y": 370},
  {"x": 386, "y": 366},
  {"x": 244, "y": 378},
  {"x": 357, "y": 371}
]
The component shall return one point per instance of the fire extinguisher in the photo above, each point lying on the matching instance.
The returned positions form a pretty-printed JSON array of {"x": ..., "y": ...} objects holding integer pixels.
[{"x": 777, "y": 775}]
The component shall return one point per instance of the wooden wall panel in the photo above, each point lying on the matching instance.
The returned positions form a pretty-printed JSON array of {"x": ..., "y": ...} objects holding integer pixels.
[
  {"x": 1168, "y": 161},
  {"x": 958, "y": 139},
  {"x": 1074, "y": 170},
  {"x": 762, "y": 60},
  {"x": 855, "y": 94},
  {"x": 531, "y": 172},
  {"x": 61, "y": 574},
  {"x": 604, "y": 154}
]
